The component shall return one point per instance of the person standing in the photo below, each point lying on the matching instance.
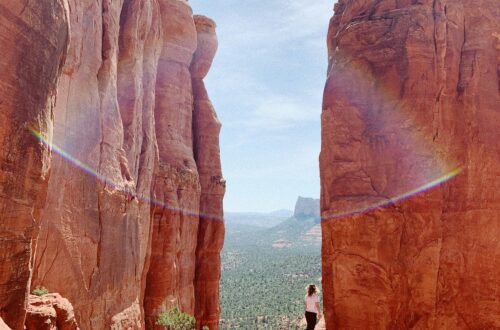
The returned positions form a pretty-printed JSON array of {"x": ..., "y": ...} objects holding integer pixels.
[{"x": 311, "y": 302}]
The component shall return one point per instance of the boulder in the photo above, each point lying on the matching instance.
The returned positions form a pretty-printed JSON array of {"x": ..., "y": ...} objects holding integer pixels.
[{"x": 50, "y": 312}]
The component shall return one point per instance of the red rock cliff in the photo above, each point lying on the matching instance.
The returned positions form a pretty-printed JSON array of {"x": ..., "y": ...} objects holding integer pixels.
[
  {"x": 170, "y": 280},
  {"x": 410, "y": 165},
  {"x": 119, "y": 234},
  {"x": 33, "y": 39},
  {"x": 96, "y": 222}
]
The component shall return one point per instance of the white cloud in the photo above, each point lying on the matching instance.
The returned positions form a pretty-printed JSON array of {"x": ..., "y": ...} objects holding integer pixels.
[
  {"x": 269, "y": 38},
  {"x": 278, "y": 111}
]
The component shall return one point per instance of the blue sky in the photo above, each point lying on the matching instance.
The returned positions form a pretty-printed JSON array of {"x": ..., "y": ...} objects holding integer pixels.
[{"x": 266, "y": 85}]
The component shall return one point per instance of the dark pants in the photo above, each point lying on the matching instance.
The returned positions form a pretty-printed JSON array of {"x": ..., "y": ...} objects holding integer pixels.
[{"x": 311, "y": 319}]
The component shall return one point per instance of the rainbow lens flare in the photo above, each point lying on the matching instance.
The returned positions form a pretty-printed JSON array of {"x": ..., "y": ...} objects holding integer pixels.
[
  {"x": 370, "y": 116},
  {"x": 109, "y": 183}
]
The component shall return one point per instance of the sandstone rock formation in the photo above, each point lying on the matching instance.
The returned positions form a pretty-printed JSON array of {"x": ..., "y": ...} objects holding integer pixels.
[
  {"x": 50, "y": 312},
  {"x": 95, "y": 224},
  {"x": 33, "y": 38},
  {"x": 412, "y": 101},
  {"x": 206, "y": 128},
  {"x": 119, "y": 234},
  {"x": 170, "y": 280},
  {"x": 307, "y": 208}
]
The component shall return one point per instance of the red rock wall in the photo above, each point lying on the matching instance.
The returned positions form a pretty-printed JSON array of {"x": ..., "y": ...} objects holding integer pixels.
[
  {"x": 181, "y": 180},
  {"x": 33, "y": 38},
  {"x": 170, "y": 280},
  {"x": 119, "y": 234},
  {"x": 412, "y": 99},
  {"x": 96, "y": 223}
]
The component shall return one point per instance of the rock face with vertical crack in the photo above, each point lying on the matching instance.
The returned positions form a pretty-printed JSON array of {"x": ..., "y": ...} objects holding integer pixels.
[
  {"x": 410, "y": 165},
  {"x": 33, "y": 39},
  {"x": 95, "y": 228},
  {"x": 135, "y": 160}
]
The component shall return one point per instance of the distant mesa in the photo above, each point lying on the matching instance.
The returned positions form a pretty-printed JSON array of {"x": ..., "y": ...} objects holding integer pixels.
[{"x": 306, "y": 208}]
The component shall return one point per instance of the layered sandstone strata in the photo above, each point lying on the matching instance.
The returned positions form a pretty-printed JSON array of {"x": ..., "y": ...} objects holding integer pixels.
[
  {"x": 412, "y": 101},
  {"x": 135, "y": 160},
  {"x": 33, "y": 39}
]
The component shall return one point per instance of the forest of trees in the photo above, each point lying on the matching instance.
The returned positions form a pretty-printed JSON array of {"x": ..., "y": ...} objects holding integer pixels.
[{"x": 263, "y": 287}]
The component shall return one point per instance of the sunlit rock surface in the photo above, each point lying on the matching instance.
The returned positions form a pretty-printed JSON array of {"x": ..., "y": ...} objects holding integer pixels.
[
  {"x": 411, "y": 121},
  {"x": 170, "y": 280},
  {"x": 95, "y": 227},
  {"x": 206, "y": 127},
  {"x": 50, "y": 312},
  {"x": 33, "y": 42},
  {"x": 130, "y": 166}
]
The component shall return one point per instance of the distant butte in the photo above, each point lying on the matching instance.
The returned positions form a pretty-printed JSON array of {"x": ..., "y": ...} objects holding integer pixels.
[{"x": 307, "y": 208}]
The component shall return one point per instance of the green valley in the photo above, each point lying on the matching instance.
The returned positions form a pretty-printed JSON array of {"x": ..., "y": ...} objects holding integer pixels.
[{"x": 265, "y": 271}]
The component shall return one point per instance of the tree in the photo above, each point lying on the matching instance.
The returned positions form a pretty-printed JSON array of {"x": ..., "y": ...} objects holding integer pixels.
[
  {"x": 40, "y": 291},
  {"x": 175, "y": 319}
]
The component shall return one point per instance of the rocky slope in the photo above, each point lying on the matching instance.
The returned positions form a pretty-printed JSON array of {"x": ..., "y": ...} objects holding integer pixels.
[
  {"x": 411, "y": 106},
  {"x": 119, "y": 228}
]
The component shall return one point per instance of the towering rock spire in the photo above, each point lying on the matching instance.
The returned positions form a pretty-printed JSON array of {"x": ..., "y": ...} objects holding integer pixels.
[
  {"x": 206, "y": 127},
  {"x": 170, "y": 280}
]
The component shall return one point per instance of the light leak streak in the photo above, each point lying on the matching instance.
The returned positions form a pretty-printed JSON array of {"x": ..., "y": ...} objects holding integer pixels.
[
  {"x": 89, "y": 170},
  {"x": 391, "y": 201},
  {"x": 354, "y": 74}
]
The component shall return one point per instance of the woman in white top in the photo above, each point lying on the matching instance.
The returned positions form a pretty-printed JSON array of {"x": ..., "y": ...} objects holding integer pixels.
[{"x": 311, "y": 301}]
